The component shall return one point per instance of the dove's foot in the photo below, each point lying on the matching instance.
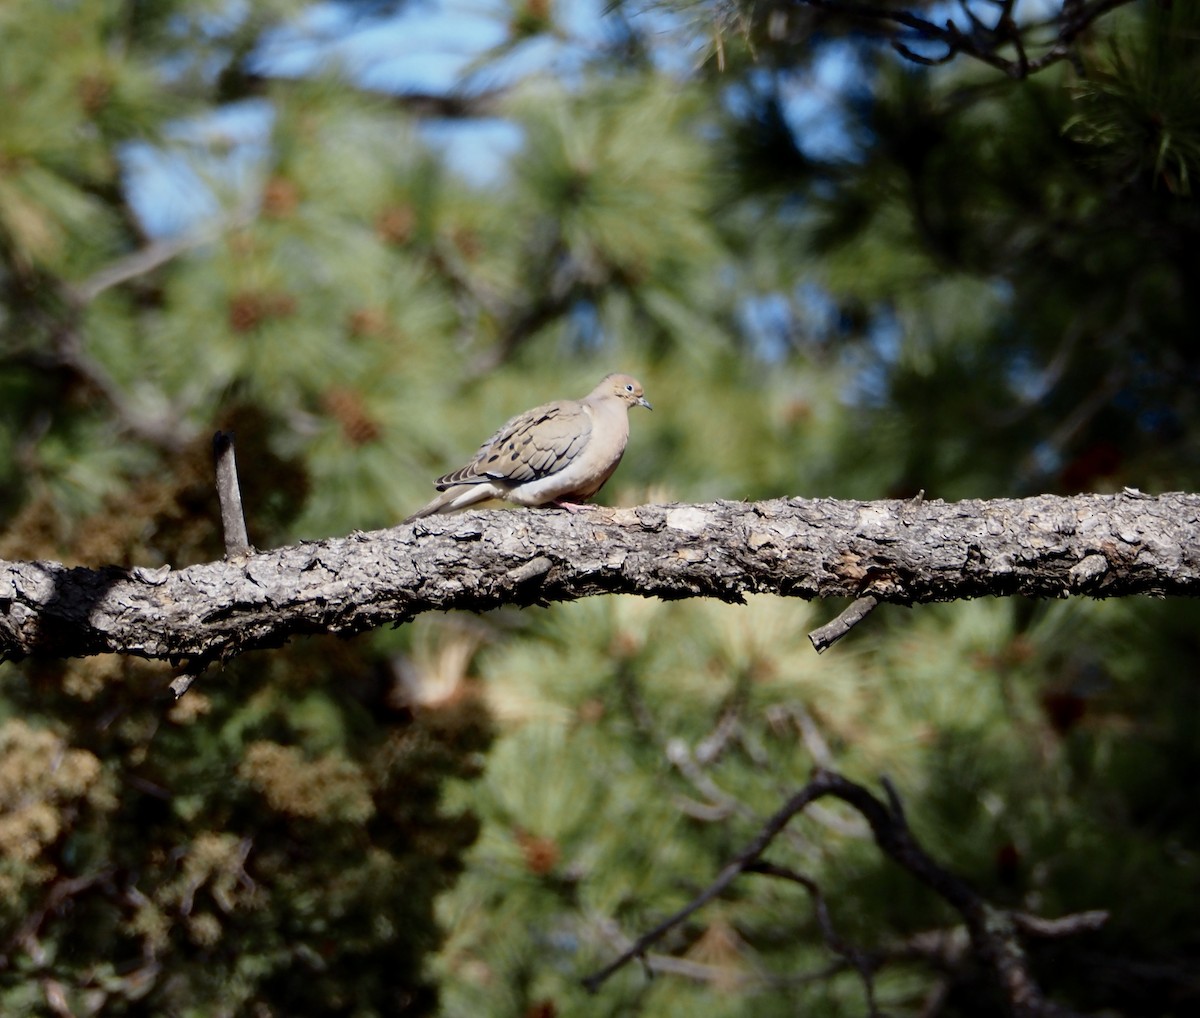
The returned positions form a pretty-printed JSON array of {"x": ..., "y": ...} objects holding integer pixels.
[{"x": 571, "y": 507}]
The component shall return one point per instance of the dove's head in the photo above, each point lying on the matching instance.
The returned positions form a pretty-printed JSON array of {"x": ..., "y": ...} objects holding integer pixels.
[{"x": 625, "y": 388}]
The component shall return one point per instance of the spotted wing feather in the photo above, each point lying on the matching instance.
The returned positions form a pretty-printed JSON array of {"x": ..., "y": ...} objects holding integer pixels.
[{"x": 535, "y": 444}]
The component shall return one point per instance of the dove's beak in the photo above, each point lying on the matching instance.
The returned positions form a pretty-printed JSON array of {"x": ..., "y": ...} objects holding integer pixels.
[{"x": 642, "y": 401}]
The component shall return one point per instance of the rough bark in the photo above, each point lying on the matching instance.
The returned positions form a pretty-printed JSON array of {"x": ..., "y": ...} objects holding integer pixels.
[{"x": 900, "y": 552}]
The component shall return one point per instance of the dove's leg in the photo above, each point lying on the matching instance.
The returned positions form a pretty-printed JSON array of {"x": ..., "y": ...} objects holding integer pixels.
[{"x": 571, "y": 507}]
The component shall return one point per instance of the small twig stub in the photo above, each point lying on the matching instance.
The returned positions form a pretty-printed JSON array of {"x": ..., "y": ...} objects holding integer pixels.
[{"x": 233, "y": 520}]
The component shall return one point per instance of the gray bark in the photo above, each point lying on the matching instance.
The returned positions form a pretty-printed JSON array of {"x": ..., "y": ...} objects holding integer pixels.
[{"x": 899, "y": 552}]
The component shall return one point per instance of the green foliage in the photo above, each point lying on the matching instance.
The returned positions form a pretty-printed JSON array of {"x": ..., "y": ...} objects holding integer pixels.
[
  {"x": 989, "y": 290},
  {"x": 1139, "y": 106}
]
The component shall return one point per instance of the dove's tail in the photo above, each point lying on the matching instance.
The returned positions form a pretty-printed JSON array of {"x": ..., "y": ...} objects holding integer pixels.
[{"x": 460, "y": 496}]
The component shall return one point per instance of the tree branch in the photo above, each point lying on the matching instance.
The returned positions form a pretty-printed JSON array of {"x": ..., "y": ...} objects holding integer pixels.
[
  {"x": 983, "y": 42},
  {"x": 744, "y": 861},
  {"x": 851, "y": 955},
  {"x": 994, "y": 933},
  {"x": 141, "y": 262},
  {"x": 1046, "y": 547},
  {"x": 824, "y": 637},
  {"x": 229, "y": 494},
  {"x": 464, "y": 104}
]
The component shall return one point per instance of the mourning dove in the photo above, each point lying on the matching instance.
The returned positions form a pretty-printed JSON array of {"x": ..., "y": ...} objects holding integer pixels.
[{"x": 556, "y": 454}]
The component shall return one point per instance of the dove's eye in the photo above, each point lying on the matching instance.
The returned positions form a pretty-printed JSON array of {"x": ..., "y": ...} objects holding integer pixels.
[{"x": 629, "y": 388}]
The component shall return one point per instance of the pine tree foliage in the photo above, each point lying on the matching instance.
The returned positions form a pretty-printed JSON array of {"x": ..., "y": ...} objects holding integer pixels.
[{"x": 942, "y": 280}]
